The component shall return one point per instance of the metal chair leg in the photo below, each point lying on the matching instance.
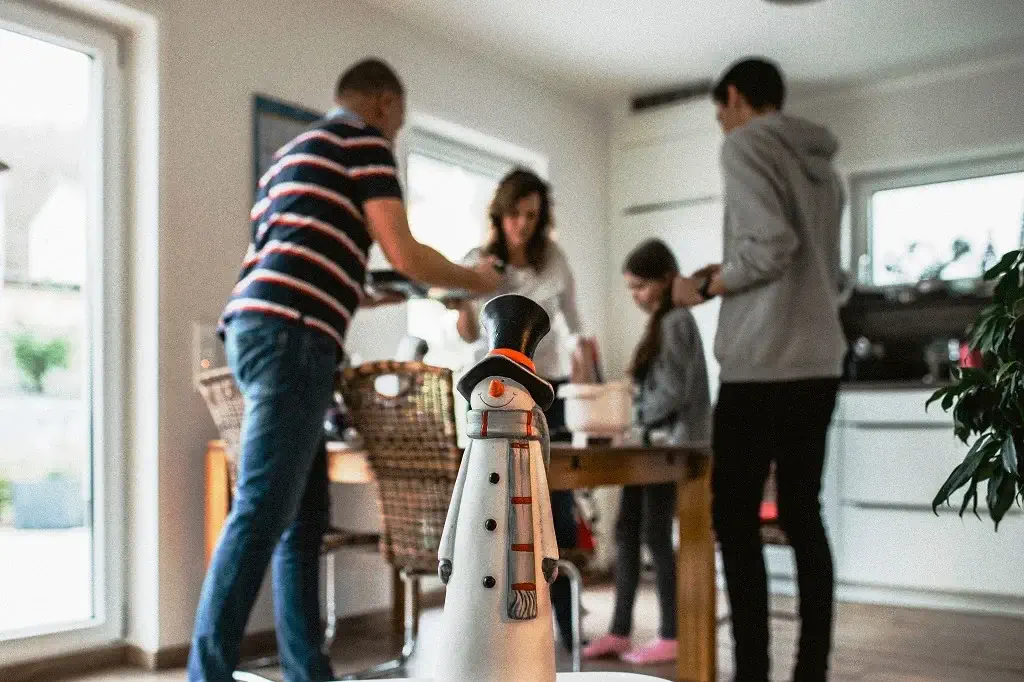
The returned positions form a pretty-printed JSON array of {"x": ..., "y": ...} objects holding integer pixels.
[
  {"x": 575, "y": 590},
  {"x": 331, "y": 597},
  {"x": 410, "y": 583}
]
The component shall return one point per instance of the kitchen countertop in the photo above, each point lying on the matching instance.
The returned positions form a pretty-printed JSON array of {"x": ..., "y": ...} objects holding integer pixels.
[{"x": 892, "y": 385}]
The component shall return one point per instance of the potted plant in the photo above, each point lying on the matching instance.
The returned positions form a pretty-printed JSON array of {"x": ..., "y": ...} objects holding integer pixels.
[{"x": 987, "y": 401}]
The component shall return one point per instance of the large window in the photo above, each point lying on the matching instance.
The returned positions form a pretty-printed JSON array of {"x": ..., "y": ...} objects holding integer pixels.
[
  {"x": 948, "y": 223},
  {"x": 450, "y": 186},
  {"x": 58, "y": 253}
]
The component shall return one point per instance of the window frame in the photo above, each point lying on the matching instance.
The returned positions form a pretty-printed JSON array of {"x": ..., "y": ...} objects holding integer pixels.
[{"x": 864, "y": 186}]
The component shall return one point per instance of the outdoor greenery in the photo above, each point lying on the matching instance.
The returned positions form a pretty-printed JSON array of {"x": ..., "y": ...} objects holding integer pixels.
[{"x": 35, "y": 357}]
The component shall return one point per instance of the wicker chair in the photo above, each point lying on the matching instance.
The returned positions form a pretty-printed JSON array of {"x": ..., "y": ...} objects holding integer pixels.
[
  {"x": 410, "y": 439},
  {"x": 226, "y": 405}
]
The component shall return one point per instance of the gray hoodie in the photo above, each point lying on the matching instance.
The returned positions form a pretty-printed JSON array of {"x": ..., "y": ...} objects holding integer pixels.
[{"x": 783, "y": 204}]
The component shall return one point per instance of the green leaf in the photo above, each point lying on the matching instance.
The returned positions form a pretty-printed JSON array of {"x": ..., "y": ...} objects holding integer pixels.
[
  {"x": 1001, "y": 502},
  {"x": 1008, "y": 289},
  {"x": 1010, "y": 456},
  {"x": 963, "y": 473},
  {"x": 970, "y": 494},
  {"x": 994, "y": 482},
  {"x": 1005, "y": 263},
  {"x": 935, "y": 396}
]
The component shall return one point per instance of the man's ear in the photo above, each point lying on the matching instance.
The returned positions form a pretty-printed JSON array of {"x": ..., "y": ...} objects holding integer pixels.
[{"x": 735, "y": 99}]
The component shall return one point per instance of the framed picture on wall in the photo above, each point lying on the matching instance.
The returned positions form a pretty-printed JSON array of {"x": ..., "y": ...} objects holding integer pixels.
[{"x": 274, "y": 124}]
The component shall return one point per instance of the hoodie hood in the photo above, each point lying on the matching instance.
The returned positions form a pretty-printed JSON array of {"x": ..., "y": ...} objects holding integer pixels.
[{"x": 813, "y": 145}]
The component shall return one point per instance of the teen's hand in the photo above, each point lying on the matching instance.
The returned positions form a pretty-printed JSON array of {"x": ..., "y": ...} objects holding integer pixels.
[
  {"x": 709, "y": 270},
  {"x": 686, "y": 291}
]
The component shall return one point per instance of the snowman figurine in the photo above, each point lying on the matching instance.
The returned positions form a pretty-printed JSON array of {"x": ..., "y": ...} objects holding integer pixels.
[{"x": 498, "y": 552}]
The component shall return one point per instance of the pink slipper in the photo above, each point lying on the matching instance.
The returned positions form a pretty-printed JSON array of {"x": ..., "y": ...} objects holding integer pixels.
[
  {"x": 608, "y": 646},
  {"x": 658, "y": 651}
]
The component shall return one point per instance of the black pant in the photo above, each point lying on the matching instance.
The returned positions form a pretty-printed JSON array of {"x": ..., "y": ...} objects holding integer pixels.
[
  {"x": 564, "y": 518},
  {"x": 756, "y": 424},
  {"x": 646, "y": 511}
]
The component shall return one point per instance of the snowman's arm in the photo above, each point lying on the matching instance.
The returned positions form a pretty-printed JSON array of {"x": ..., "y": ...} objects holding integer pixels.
[
  {"x": 542, "y": 497},
  {"x": 447, "y": 548}
]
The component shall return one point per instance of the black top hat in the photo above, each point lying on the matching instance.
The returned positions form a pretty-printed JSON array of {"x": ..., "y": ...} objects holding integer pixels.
[{"x": 514, "y": 325}]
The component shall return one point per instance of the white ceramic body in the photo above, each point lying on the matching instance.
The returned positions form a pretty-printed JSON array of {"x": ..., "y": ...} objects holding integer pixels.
[{"x": 480, "y": 643}]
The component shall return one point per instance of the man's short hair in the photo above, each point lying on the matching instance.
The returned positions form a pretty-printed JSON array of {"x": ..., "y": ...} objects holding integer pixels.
[
  {"x": 758, "y": 80},
  {"x": 369, "y": 77}
]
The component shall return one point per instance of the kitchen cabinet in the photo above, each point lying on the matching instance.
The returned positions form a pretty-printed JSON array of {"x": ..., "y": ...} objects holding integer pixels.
[
  {"x": 887, "y": 458},
  {"x": 666, "y": 157}
]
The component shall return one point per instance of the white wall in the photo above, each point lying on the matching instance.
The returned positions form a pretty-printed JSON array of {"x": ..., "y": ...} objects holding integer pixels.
[
  {"x": 936, "y": 117},
  {"x": 213, "y": 57}
]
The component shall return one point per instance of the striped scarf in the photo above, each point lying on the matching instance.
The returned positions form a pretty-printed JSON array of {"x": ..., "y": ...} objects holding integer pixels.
[{"x": 518, "y": 427}]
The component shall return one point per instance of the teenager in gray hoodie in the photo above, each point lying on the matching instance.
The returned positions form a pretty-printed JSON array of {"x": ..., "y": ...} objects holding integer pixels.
[{"x": 781, "y": 347}]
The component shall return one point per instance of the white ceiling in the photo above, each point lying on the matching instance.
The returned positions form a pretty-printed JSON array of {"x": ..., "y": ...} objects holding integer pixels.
[{"x": 598, "y": 48}]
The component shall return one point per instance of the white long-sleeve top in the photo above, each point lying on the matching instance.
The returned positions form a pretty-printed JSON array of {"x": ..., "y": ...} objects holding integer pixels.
[{"x": 554, "y": 289}]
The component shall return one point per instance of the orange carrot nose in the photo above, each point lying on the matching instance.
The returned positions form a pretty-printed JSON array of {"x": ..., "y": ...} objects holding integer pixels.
[{"x": 496, "y": 389}]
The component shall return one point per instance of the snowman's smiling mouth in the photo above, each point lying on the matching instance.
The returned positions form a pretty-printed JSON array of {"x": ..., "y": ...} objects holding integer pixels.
[{"x": 505, "y": 404}]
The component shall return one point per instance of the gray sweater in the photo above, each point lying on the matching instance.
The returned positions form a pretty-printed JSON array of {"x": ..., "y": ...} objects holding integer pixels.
[
  {"x": 783, "y": 204},
  {"x": 674, "y": 395}
]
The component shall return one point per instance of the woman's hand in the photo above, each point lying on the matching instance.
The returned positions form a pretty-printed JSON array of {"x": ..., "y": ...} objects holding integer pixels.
[
  {"x": 375, "y": 300},
  {"x": 459, "y": 304},
  {"x": 488, "y": 277}
]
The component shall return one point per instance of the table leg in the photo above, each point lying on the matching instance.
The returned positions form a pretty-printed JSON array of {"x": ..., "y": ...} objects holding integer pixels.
[
  {"x": 218, "y": 496},
  {"x": 695, "y": 575}
]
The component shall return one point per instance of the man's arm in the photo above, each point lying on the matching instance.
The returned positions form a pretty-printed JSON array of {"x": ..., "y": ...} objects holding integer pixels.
[
  {"x": 389, "y": 227},
  {"x": 764, "y": 241}
]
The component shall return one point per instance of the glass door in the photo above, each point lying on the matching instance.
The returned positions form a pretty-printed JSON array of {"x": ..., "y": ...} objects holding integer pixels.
[{"x": 57, "y": 209}]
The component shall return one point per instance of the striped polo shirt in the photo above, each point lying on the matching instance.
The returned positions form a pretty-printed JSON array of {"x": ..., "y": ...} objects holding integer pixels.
[{"x": 308, "y": 250}]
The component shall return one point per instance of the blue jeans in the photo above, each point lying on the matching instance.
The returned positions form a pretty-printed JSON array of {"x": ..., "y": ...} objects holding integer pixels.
[{"x": 281, "y": 510}]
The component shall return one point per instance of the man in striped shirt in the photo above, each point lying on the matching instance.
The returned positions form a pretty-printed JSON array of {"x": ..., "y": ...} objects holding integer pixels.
[{"x": 332, "y": 192}]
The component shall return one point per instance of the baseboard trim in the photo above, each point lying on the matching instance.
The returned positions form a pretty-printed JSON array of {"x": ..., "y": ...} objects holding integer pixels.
[
  {"x": 255, "y": 645},
  {"x": 980, "y": 604},
  {"x": 58, "y": 667}
]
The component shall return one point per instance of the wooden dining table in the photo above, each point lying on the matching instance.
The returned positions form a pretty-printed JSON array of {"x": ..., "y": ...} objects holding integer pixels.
[{"x": 571, "y": 468}]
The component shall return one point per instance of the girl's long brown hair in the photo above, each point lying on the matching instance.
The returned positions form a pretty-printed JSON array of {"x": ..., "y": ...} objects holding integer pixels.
[
  {"x": 515, "y": 186},
  {"x": 651, "y": 260}
]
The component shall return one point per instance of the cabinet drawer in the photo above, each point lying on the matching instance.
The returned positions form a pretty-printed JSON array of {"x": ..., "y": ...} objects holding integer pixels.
[
  {"x": 896, "y": 465},
  {"x": 889, "y": 407},
  {"x": 910, "y": 549}
]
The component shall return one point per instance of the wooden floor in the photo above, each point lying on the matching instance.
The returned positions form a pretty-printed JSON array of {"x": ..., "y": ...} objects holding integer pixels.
[{"x": 875, "y": 643}]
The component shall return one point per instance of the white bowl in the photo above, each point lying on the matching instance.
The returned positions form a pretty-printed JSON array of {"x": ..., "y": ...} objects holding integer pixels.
[{"x": 600, "y": 409}]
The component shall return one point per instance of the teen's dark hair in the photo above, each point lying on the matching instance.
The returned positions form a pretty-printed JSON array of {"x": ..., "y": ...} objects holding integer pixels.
[
  {"x": 369, "y": 77},
  {"x": 515, "y": 186},
  {"x": 758, "y": 80},
  {"x": 651, "y": 260}
]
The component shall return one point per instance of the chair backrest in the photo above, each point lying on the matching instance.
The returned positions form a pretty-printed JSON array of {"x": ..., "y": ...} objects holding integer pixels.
[
  {"x": 410, "y": 439},
  {"x": 224, "y": 400}
]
